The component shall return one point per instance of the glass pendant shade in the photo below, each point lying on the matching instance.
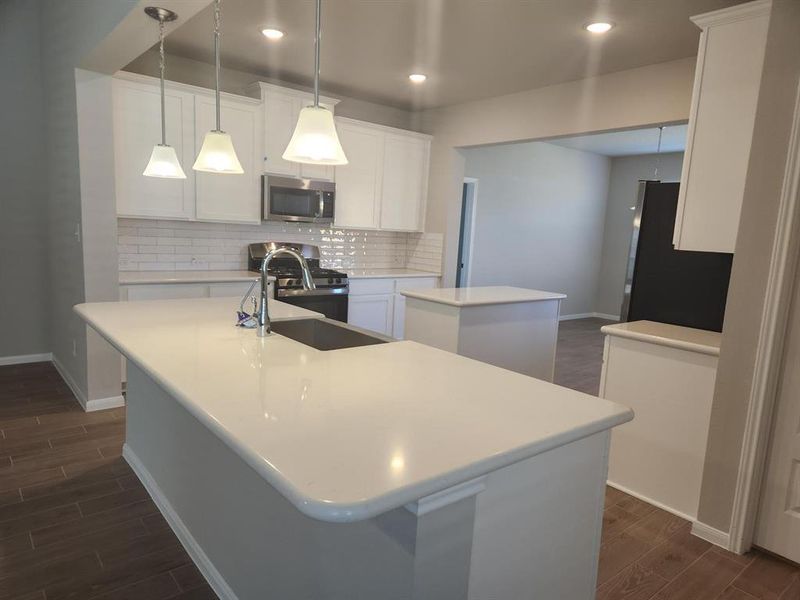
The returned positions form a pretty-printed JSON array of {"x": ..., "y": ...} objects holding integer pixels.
[
  {"x": 315, "y": 140},
  {"x": 164, "y": 163},
  {"x": 218, "y": 155}
]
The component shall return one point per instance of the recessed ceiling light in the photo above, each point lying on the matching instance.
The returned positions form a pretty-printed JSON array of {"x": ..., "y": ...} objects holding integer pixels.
[
  {"x": 272, "y": 34},
  {"x": 599, "y": 27},
  {"x": 417, "y": 77}
]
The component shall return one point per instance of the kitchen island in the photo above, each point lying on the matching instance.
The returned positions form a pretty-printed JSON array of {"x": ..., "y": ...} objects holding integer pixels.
[
  {"x": 510, "y": 327},
  {"x": 391, "y": 471}
]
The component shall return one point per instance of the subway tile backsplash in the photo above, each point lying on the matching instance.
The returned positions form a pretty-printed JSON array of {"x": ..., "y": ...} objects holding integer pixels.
[{"x": 160, "y": 245}]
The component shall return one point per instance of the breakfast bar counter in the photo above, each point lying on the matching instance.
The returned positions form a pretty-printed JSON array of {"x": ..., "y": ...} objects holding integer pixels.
[{"x": 394, "y": 470}]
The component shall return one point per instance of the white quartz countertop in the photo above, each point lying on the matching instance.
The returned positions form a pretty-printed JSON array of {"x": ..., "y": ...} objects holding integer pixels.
[
  {"x": 387, "y": 273},
  {"x": 475, "y": 296},
  {"x": 664, "y": 334},
  {"x": 346, "y": 434},
  {"x": 149, "y": 277}
]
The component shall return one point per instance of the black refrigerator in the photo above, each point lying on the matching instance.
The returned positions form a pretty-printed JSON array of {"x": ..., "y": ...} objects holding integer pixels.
[{"x": 667, "y": 285}]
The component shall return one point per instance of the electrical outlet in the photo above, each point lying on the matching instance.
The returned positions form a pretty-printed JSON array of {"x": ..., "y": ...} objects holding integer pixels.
[{"x": 74, "y": 347}]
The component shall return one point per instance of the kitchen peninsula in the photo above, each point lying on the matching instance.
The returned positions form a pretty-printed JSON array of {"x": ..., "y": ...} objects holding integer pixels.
[{"x": 393, "y": 471}]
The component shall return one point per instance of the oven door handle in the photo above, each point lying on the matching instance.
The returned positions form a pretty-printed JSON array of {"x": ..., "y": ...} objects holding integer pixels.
[{"x": 342, "y": 291}]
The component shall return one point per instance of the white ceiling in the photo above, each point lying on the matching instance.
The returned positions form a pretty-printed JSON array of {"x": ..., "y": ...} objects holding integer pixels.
[
  {"x": 627, "y": 143},
  {"x": 470, "y": 49}
]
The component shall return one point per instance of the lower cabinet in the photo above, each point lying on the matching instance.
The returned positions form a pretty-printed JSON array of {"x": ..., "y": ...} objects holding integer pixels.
[
  {"x": 377, "y": 305},
  {"x": 372, "y": 312}
]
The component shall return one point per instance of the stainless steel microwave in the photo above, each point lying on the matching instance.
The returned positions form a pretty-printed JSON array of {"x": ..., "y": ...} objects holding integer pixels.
[{"x": 298, "y": 200}]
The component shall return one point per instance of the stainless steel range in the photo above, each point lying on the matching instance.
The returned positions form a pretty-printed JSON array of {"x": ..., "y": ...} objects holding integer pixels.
[{"x": 330, "y": 295}]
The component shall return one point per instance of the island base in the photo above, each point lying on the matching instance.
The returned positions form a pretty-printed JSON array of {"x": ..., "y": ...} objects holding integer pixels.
[{"x": 530, "y": 530}]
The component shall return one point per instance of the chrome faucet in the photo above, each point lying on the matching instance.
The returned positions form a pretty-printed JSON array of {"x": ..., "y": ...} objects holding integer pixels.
[{"x": 264, "y": 325}]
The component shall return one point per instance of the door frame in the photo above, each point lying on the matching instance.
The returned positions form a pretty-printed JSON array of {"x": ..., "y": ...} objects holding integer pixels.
[
  {"x": 472, "y": 200},
  {"x": 769, "y": 351}
]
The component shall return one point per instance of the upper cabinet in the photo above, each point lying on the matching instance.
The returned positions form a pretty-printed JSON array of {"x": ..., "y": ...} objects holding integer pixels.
[
  {"x": 190, "y": 113},
  {"x": 385, "y": 183},
  {"x": 230, "y": 198},
  {"x": 137, "y": 128},
  {"x": 383, "y": 186},
  {"x": 727, "y": 80},
  {"x": 281, "y": 108}
]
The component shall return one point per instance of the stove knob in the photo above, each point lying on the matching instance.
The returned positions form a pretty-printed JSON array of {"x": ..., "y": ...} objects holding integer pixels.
[
  {"x": 330, "y": 280},
  {"x": 338, "y": 281}
]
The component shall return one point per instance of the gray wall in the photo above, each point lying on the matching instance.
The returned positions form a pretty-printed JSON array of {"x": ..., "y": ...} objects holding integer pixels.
[
  {"x": 23, "y": 201},
  {"x": 539, "y": 219},
  {"x": 626, "y": 171},
  {"x": 69, "y": 38}
]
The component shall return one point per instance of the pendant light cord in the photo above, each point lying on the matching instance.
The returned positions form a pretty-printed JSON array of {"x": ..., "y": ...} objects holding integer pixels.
[
  {"x": 658, "y": 152},
  {"x": 162, "y": 69},
  {"x": 316, "y": 52},
  {"x": 217, "y": 19}
]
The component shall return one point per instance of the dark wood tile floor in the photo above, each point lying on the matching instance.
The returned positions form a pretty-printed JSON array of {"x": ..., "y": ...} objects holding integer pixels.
[
  {"x": 76, "y": 524},
  {"x": 579, "y": 354},
  {"x": 649, "y": 554}
]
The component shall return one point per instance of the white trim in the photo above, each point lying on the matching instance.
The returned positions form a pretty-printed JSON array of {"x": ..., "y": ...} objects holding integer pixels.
[
  {"x": 105, "y": 403},
  {"x": 447, "y": 497},
  {"x": 472, "y": 226},
  {"x": 86, "y": 404},
  {"x": 187, "y": 540},
  {"x": 23, "y": 359},
  {"x": 130, "y": 77},
  {"x": 656, "y": 503},
  {"x": 710, "y": 534},
  {"x": 589, "y": 315},
  {"x": 740, "y": 12},
  {"x": 769, "y": 351}
]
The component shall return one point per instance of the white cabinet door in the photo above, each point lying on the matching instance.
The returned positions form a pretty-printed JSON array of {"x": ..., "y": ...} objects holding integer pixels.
[
  {"x": 358, "y": 183},
  {"x": 405, "y": 182},
  {"x": 137, "y": 128},
  {"x": 727, "y": 81},
  {"x": 280, "y": 117},
  {"x": 371, "y": 312},
  {"x": 230, "y": 198}
]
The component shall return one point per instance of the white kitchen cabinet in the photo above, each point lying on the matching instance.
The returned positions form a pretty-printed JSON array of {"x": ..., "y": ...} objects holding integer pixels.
[
  {"x": 415, "y": 283},
  {"x": 165, "y": 291},
  {"x": 385, "y": 183},
  {"x": 358, "y": 184},
  {"x": 727, "y": 80},
  {"x": 376, "y": 303},
  {"x": 404, "y": 182},
  {"x": 226, "y": 197},
  {"x": 137, "y": 128},
  {"x": 281, "y": 108},
  {"x": 372, "y": 312}
]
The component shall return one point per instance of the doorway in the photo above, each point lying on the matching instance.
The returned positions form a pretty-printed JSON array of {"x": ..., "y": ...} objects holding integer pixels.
[{"x": 466, "y": 231}]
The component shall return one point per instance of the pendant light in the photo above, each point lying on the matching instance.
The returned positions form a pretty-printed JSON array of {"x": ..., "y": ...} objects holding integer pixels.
[
  {"x": 217, "y": 154},
  {"x": 163, "y": 160},
  {"x": 315, "y": 140}
]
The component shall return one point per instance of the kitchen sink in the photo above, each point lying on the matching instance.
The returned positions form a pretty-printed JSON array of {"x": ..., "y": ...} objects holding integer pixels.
[{"x": 327, "y": 334}]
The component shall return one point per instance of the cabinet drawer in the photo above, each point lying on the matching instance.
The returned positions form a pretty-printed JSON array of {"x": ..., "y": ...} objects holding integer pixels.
[
  {"x": 360, "y": 287},
  {"x": 231, "y": 289},
  {"x": 417, "y": 283},
  {"x": 171, "y": 291}
]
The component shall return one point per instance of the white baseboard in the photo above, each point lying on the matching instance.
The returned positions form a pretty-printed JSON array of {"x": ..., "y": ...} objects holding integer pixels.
[
  {"x": 105, "y": 403},
  {"x": 86, "y": 404},
  {"x": 656, "y": 503},
  {"x": 201, "y": 560},
  {"x": 25, "y": 358},
  {"x": 710, "y": 534},
  {"x": 590, "y": 315}
]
